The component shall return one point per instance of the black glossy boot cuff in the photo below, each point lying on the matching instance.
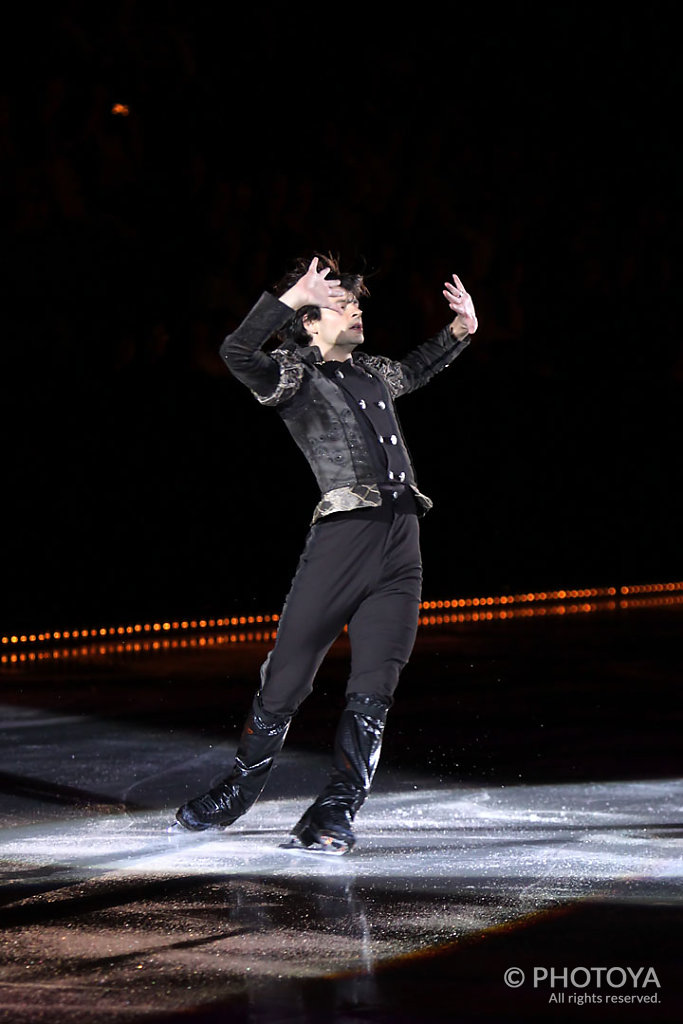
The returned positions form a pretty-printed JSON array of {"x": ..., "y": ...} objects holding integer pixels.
[
  {"x": 267, "y": 723},
  {"x": 370, "y": 705}
]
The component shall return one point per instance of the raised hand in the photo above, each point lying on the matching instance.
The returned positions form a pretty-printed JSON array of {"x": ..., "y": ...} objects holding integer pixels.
[
  {"x": 314, "y": 289},
  {"x": 461, "y": 303}
]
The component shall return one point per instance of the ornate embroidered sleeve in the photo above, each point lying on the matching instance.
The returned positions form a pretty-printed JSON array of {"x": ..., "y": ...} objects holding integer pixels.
[
  {"x": 289, "y": 382},
  {"x": 389, "y": 370}
]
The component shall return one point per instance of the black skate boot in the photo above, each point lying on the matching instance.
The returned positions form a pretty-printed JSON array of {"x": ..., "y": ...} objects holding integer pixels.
[
  {"x": 326, "y": 826},
  {"x": 262, "y": 739}
]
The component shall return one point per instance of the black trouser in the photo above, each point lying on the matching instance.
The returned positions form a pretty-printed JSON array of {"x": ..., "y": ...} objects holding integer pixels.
[{"x": 364, "y": 572}]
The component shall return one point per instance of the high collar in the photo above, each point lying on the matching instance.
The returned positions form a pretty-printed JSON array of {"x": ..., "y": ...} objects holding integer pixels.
[{"x": 312, "y": 354}]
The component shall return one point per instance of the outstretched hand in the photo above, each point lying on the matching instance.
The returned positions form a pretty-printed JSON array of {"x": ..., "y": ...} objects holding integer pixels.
[
  {"x": 314, "y": 289},
  {"x": 461, "y": 303}
]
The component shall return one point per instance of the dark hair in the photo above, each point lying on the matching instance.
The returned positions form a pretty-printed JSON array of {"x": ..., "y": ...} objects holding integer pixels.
[{"x": 294, "y": 332}]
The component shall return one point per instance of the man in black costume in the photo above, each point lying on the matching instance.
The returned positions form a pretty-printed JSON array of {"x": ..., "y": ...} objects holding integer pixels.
[{"x": 361, "y": 563}]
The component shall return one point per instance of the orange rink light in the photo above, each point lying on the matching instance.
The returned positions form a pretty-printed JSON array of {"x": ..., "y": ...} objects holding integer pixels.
[{"x": 153, "y": 636}]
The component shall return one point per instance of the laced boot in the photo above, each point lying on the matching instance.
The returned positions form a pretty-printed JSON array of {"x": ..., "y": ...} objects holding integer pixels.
[
  {"x": 262, "y": 739},
  {"x": 326, "y": 825}
]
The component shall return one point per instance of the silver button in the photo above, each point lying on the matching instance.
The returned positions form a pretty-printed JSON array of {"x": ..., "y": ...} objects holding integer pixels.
[
  {"x": 390, "y": 474},
  {"x": 393, "y": 439},
  {"x": 394, "y": 495},
  {"x": 339, "y": 374},
  {"x": 381, "y": 404},
  {"x": 380, "y": 439},
  {"x": 361, "y": 403}
]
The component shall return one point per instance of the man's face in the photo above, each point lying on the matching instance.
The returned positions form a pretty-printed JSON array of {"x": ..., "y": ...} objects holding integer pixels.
[{"x": 342, "y": 326}]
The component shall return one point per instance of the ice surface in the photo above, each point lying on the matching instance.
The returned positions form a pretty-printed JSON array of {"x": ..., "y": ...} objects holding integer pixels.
[{"x": 98, "y": 797}]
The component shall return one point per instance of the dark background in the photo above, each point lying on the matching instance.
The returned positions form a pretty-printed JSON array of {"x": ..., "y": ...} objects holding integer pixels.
[{"x": 533, "y": 151}]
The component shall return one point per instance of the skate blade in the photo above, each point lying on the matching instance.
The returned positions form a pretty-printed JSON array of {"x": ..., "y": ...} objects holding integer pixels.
[
  {"x": 176, "y": 829},
  {"x": 327, "y": 846}
]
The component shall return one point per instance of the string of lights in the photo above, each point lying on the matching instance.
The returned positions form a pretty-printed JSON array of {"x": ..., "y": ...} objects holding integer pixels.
[{"x": 144, "y": 637}]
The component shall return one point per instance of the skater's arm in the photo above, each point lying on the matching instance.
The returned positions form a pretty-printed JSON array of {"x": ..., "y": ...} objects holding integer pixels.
[
  {"x": 420, "y": 365},
  {"x": 241, "y": 350}
]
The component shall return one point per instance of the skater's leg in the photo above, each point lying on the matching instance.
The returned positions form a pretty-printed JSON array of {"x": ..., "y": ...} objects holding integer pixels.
[
  {"x": 262, "y": 738},
  {"x": 321, "y": 598},
  {"x": 383, "y": 628},
  {"x": 325, "y": 590},
  {"x": 382, "y": 634},
  {"x": 326, "y": 825}
]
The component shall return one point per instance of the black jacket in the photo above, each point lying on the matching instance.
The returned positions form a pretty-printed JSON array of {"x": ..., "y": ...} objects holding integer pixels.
[{"x": 321, "y": 421}]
